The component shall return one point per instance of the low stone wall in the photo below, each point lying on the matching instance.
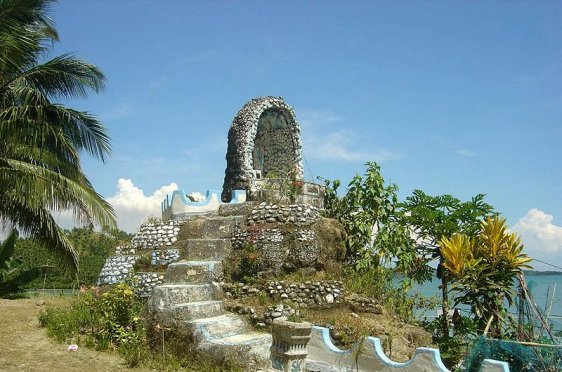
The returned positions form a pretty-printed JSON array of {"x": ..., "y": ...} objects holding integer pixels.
[
  {"x": 298, "y": 214},
  {"x": 157, "y": 238},
  {"x": 164, "y": 257},
  {"x": 156, "y": 234},
  {"x": 116, "y": 269},
  {"x": 145, "y": 282},
  {"x": 280, "y": 311},
  {"x": 306, "y": 294},
  {"x": 362, "y": 304}
]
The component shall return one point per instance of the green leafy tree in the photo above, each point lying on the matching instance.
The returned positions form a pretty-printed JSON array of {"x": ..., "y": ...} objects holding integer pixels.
[
  {"x": 93, "y": 249},
  {"x": 40, "y": 139},
  {"x": 483, "y": 268},
  {"x": 433, "y": 218},
  {"x": 12, "y": 274},
  {"x": 369, "y": 216},
  {"x": 6, "y": 256}
]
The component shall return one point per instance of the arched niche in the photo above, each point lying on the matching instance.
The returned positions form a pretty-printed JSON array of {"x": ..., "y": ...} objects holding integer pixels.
[{"x": 264, "y": 139}]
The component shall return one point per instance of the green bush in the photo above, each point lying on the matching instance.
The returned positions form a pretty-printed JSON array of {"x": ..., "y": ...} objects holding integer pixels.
[
  {"x": 115, "y": 320},
  {"x": 245, "y": 265},
  {"x": 108, "y": 320},
  {"x": 93, "y": 248}
]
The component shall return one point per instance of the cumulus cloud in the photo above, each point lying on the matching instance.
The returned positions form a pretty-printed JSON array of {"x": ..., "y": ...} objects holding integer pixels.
[
  {"x": 542, "y": 238},
  {"x": 323, "y": 142},
  {"x": 339, "y": 145},
  {"x": 132, "y": 206}
]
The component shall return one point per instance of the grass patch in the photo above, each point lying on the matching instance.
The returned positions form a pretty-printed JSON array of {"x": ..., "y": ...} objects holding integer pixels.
[{"x": 116, "y": 320}]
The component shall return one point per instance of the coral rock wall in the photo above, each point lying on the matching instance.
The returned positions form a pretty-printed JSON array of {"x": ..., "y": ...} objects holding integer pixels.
[{"x": 265, "y": 137}]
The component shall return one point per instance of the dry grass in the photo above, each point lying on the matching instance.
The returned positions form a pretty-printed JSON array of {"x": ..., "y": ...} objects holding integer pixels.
[
  {"x": 399, "y": 340},
  {"x": 26, "y": 346}
]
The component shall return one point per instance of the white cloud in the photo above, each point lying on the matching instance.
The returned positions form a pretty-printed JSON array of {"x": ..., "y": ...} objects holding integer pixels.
[
  {"x": 541, "y": 237},
  {"x": 466, "y": 153},
  {"x": 321, "y": 142},
  {"x": 132, "y": 206},
  {"x": 340, "y": 145}
]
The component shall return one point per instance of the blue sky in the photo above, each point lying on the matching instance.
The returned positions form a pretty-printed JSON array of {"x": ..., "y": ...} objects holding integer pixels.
[{"x": 449, "y": 97}]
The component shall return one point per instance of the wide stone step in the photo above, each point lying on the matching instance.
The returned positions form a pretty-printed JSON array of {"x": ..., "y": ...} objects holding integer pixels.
[
  {"x": 197, "y": 310},
  {"x": 216, "y": 227},
  {"x": 207, "y": 329},
  {"x": 249, "y": 338},
  {"x": 194, "y": 272},
  {"x": 251, "y": 347},
  {"x": 167, "y": 295},
  {"x": 206, "y": 249}
]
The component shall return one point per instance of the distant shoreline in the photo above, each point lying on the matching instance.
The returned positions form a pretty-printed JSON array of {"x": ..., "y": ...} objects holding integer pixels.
[{"x": 535, "y": 272}]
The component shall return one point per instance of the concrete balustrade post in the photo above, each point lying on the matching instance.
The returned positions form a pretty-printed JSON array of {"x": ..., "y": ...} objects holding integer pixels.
[{"x": 288, "y": 349}]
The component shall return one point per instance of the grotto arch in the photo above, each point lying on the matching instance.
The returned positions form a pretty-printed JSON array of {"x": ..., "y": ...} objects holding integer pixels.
[{"x": 264, "y": 139}]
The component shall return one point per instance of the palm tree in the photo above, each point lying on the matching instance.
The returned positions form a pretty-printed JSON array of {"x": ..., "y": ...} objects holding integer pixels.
[{"x": 41, "y": 140}]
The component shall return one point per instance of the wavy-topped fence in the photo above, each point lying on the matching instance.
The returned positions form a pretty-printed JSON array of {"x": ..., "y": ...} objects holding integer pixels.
[
  {"x": 177, "y": 205},
  {"x": 368, "y": 355}
]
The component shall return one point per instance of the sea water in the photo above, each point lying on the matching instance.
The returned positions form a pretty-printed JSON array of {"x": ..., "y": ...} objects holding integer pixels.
[{"x": 540, "y": 286}]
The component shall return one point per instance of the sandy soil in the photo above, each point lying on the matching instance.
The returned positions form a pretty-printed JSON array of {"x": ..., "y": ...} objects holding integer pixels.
[{"x": 24, "y": 346}]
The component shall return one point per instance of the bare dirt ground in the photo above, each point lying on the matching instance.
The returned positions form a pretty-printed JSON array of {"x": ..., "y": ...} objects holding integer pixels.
[{"x": 24, "y": 346}]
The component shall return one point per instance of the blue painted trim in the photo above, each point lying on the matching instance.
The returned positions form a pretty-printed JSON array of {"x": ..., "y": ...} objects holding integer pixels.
[
  {"x": 376, "y": 345},
  {"x": 236, "y": 196},
  {"x": 434, "y": 354},
  {"x": 325, "y": 334},
  {"x": 185, "y": 200}
]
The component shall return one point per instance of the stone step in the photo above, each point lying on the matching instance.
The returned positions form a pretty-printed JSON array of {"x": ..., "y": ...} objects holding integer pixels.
[
  {"x": 216, "y": 227},
  {"x": 165, "y": 296},
  {"x": 197, "y": 310},
  {"x": 206, "y": 249},
  {"x": 238, "y": 209},
  {"x": 194, "y": 272},
  {"x": 251, "y": 347},
  {"x": 207, "y": 329}
]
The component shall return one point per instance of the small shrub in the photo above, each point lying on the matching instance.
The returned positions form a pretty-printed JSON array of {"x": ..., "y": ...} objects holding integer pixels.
[
  {"x": 246, "y": 265},
  {"x": 108, "y": 320}
]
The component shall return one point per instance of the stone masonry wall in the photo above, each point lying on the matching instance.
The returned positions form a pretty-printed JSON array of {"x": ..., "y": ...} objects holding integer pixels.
[
  {"x": 305, "y": 294},
  {"x": 282, "y": 235},
  {"x": 156, "y": 235},
  {"x": 240, "y": 156},
  {"x": 155, "y": 239},
  {"x": 298, "y": 214}
]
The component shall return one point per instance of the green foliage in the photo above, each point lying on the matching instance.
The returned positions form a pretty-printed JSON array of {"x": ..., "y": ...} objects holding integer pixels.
[
  {"x": 368, "y": 215},
  {"x": 246, "y": 264},
  {"x": 93, "y": 249},
  {"x": 12, "y": 276},
  {"x": 435, "y": 217},
  {"x": 40, "y": 139},
  {"x": 7, "y": 261},
  {"x": 108, "y": 320},
  {"x": 116, "y": 320},
  {"x": 453, "y": 347},
  {"x": 483, "y": 268}
]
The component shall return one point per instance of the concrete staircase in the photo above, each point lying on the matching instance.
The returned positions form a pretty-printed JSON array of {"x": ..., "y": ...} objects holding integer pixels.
[{"x": 191, "y": 299}]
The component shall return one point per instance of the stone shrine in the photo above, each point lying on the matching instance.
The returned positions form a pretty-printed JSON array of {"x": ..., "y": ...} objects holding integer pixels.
[
  {"x": 268, "y": 214},
  {"x": 263, "y": 140}
]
